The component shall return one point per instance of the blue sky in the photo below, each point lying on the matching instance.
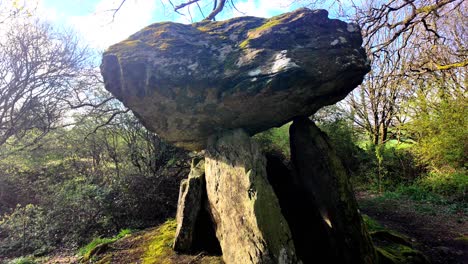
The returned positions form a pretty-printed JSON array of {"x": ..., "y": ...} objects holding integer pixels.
[{"x": 93, "y": 20}]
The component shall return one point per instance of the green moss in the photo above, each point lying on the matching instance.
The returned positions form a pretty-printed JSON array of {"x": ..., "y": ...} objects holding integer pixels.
[
  {"x": 90, "y": 249},
  {"x": 269, "y": 217},
  {"x": 160, "y": 247},
  {"x": 371, "y": 224},
  {"x": 254, "y": 32},
  {"x": 269, "y": 24},
  {"x": 244, "y": 44},
  {"x": 391, "y": 247},
  {"x": 131, "y": 43},
  {"x": 399, "y": 254}
]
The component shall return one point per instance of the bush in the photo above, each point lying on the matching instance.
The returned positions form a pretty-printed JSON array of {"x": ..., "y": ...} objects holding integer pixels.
[
  {"x": 440, "y": 130},
  {"x": 275, "y": 140},
  {"x": 25, "y": 230},
  {"x": 397, "y": 166},
  {"x": 449, "y": 184}
]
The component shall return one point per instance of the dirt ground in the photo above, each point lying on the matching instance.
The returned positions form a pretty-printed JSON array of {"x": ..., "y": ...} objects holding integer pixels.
[{"x": 440, "y": 235}]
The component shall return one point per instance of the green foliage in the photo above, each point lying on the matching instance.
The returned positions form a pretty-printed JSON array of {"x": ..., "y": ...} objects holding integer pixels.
[
  {"x": 275, "y": 139},
  {"x": 87, "y": 249},
  {"x": 390, "y": 164},
  {"x": 24, "y": 230},
  {"x": 22, "y": 260},
  {"x": 428, "y": 201},
  {"x": 344, "y": 140},
  {"x": 417, "y": 193},
  {"x": 124, "y": 232},
  {"x": 453, "y": 184},
  {"x": 79, "y": 185},
  {"x": 439, "y": 127},
  {"x": 96, "y": 242}
]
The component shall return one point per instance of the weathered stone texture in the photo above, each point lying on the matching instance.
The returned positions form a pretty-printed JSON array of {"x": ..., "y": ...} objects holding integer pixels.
[
  {"x": 187, "y": 82},
  {"x": 249, "y": 223},
  {"x": 333, "y": 228},
  {"x": 189, "y": 207}
]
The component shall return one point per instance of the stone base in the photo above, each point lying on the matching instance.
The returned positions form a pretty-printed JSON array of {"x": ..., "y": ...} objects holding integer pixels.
[{"x": 264, "y": 212}]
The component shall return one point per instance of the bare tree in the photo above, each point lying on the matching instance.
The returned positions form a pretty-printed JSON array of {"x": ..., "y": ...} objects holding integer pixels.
[
  {"x": 376, "y": 103},
  {"x": 39, "y": 68},
  {"x": 214, "y": 7}
]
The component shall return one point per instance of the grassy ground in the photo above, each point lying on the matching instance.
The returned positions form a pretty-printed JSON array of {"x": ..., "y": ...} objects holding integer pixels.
[{"x": 152, "y": 246}]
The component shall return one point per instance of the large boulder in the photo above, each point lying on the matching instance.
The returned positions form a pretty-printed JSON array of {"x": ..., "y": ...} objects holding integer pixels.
[
  {"x": 187, "y": 82},
  {"x": 249, "y": 223}
]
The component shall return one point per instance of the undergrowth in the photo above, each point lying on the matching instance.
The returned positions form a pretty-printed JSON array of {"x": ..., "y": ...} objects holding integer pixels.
[
  {"x": 23, "y": 260},
  {"x": 88, "y": 248}
]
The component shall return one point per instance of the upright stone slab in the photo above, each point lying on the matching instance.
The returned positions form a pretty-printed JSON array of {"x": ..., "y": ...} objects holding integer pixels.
[
  {"x": 189, "y": 207},
  {"x": 332, "y": 228},
  {"x": 249, "y": 223}
]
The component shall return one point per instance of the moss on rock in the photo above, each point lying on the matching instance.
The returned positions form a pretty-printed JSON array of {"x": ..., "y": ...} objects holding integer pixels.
[
  {"x": 391, "y": 247},
  {"x": 151, "y": 246}
]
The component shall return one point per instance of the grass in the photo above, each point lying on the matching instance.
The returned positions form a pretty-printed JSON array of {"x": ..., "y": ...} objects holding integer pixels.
[
  {"x": 88, "y": 249},
  {"x": 151, "y": 246},
  {"x": 22, "y": 260}
]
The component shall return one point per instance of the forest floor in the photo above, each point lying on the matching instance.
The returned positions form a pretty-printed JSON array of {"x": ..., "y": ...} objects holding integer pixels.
[
  {"x": 436, "y": 230},
  {"x": 440, "y": 231},
  {"x": 149, "y": 246}
]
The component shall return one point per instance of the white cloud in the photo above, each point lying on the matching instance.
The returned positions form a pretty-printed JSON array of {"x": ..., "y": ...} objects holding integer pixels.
[
  {"x": 261, "y": 8},
  {"x": 101, "y": 30}
]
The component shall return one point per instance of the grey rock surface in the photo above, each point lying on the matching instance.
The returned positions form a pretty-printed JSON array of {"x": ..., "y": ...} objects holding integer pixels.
[
  {"x": 187, "y": 82},
  {"x": 189, "y": 206},
  {"x": 249, "y": 224}
]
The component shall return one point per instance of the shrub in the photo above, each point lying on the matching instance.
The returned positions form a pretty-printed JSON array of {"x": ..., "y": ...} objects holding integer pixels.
[
  {"x": 22, "y": 260},
  {"x": 440, "y": 130},
  {"x": 448, "y": 184},
  {"x": 24, "y": 230}
]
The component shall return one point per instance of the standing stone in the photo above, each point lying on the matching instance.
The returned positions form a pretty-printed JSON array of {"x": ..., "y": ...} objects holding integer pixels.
[
  {"x": 189, "y": 206},
  {"x": 249, "y": 223},
  {"x": 332, "y": 228}
]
